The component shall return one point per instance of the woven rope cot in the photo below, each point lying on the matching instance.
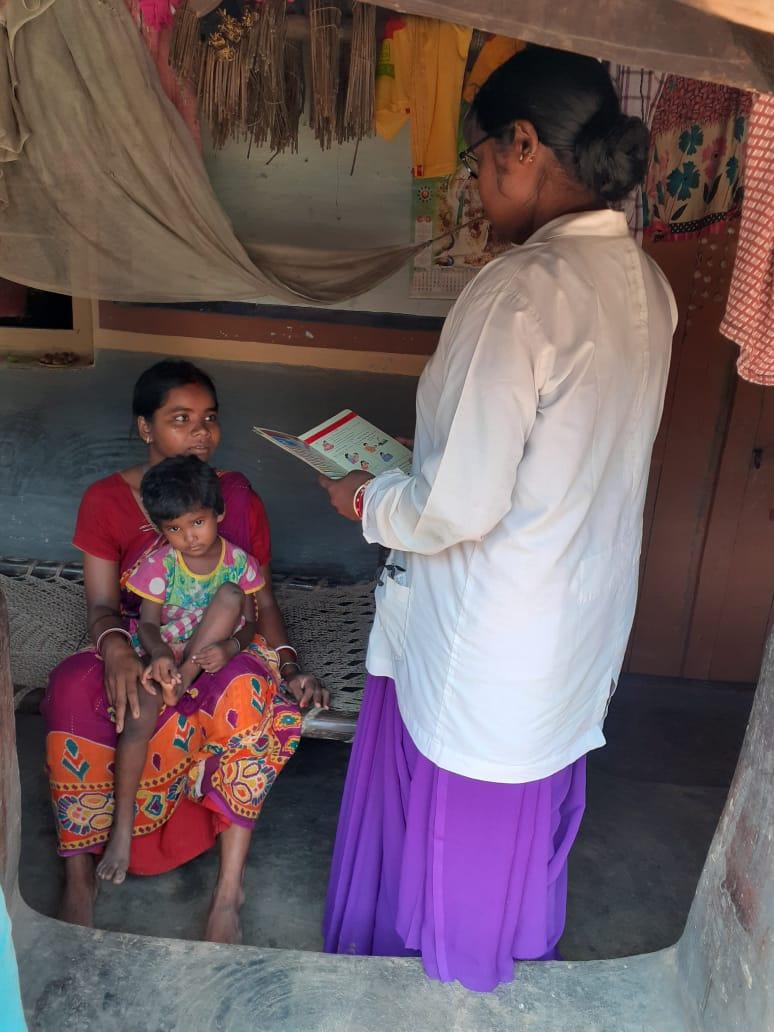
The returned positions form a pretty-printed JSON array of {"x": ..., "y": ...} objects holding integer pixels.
[{"x": 328, "y": 623}]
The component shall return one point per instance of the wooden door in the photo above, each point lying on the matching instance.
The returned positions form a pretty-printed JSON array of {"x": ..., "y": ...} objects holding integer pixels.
[{"x": 707, "y": 578}]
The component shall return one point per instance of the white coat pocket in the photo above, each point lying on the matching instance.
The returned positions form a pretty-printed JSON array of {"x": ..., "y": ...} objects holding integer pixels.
[{"x": 392, "y": 602}]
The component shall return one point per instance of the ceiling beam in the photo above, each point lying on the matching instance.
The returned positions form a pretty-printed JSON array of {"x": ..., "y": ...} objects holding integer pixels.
[{"x": 664, "y": 35}]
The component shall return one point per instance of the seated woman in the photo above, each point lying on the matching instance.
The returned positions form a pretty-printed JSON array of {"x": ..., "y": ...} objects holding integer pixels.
[{"x": 210, "y": 765}]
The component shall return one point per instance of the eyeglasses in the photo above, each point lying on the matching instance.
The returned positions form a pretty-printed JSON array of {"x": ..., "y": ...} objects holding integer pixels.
[{"x": 469, "y": 158}]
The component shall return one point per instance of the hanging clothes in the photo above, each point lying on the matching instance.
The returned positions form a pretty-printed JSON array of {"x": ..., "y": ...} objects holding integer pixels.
[
  {"x": 638, "y": 92},
  {"x": 157, "y": 14},
  {"x": 695, "y": 170},
  {"x": 447, "y": 203},
  {"x": 495, "y": 52},
  {"x": 153, "y": 19},
  {"x": 749, "y": 318},
  {"x": 419, "y": 76}
]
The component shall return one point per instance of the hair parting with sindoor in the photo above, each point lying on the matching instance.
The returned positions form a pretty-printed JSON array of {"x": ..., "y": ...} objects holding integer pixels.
[{"x": 154, "y": 384}]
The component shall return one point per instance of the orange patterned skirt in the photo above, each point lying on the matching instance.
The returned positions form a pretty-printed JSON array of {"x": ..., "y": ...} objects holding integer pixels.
[{"x": 211, "y": 761}]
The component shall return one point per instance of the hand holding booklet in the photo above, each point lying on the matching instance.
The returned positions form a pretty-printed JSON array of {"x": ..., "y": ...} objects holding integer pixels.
[{"x": 343, "y": 444}]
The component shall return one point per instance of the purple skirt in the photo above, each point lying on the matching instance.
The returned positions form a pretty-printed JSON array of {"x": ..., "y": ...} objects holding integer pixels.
[{"x": 471, "y": 875}]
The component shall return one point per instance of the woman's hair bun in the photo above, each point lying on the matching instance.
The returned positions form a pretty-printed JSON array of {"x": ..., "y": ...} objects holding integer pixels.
[
  {"x": 572, "y": 103},
  {"x": 611, "y": 154}
]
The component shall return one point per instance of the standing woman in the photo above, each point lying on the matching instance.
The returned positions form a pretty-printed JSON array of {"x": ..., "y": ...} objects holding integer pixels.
[
  {"x": 504, "y": 611},
  {"x": 214, "y": 756}
]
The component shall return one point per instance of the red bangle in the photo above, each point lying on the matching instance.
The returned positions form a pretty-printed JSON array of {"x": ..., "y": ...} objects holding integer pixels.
[{"x": 359, "y": 500}]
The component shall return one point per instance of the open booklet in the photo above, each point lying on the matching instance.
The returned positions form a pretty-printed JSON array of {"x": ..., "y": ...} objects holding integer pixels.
[{"x": 344, "y": 443}]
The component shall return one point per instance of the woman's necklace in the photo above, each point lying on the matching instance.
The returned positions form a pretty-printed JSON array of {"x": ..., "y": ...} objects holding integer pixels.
[{"x": 138, "y": 498}]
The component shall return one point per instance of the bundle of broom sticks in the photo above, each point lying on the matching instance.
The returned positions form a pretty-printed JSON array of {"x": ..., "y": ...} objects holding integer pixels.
[{"x": 250, "y": 73}]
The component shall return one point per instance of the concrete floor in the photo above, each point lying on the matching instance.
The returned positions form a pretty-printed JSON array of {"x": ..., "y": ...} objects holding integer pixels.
[{"x": 654, "y": 797}]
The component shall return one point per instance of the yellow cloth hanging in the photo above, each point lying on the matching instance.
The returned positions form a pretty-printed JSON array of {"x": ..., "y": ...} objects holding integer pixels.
[
  {"x": 495, "y": 52},
  {"x": 419, "y": 75}
]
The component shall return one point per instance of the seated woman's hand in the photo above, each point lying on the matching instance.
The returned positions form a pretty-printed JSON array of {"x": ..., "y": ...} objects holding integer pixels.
[
  {"x": 123, "y": 677},
  {"x": 307, "y": 690}
]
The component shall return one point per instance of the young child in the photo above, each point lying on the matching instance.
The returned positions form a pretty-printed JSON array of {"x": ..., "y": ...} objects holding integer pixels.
[{"x": 197, "y": 613}]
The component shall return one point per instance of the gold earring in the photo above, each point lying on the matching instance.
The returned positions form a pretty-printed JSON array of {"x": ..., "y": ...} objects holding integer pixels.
[{"x": 521, "y": 156}]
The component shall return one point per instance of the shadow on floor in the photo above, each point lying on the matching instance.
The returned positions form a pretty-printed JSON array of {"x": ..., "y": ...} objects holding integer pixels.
[{"x": 654, "y": 797}]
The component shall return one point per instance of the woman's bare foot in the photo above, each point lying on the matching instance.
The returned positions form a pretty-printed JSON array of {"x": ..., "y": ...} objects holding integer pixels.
[
  {"x": 80, "y": 891},
  {"x": 115, "y": 860},
  {"x": 223, "y": 919},
  {"x": 228, "y": 897}
]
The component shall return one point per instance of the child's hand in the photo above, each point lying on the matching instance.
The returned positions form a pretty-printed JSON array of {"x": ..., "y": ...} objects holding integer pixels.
[
  {"x": 164, "y": 671},
  {"x": 213, "y": 658},
  {"x": 170, "y": 690}
]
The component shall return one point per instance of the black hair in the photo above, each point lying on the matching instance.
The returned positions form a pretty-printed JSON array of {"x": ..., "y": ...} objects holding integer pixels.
[
  {"x": 179, "y": 485},
  {"x": 572, "y": 103},
  {"x": 153, "y": 386}
]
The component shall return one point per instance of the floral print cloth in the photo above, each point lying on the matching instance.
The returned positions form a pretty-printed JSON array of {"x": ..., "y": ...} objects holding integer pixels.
[{"x": 695, "y": 172}]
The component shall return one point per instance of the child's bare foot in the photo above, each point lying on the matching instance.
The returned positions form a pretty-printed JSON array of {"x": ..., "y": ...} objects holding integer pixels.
[
  {"x": 80, "y": 891},
  {"x": 189, "y": 671},
  {"x": 223, "y": 920},
  {"x": 115, "y": 860}
]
